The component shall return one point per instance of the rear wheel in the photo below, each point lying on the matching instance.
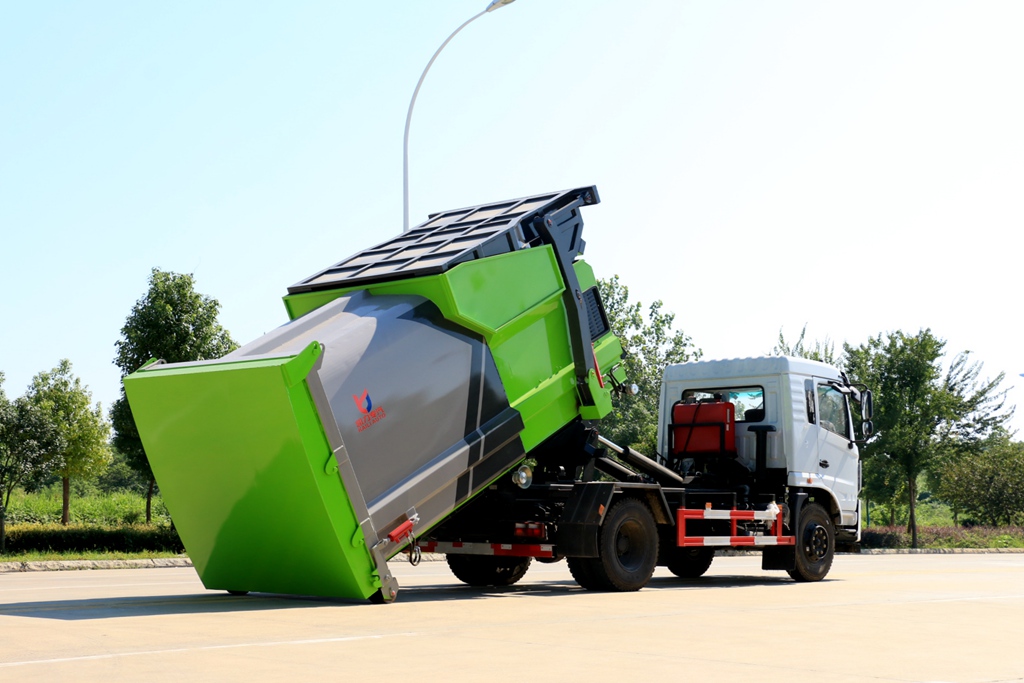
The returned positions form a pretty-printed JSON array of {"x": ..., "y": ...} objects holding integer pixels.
[
  {"x": 815, "y": 544},
  {"x": 488, "y": 570},
  {"x": 580, "y": 568},
  {"x": 690, "y": 563},
  {"x": 628, "y": 547}
]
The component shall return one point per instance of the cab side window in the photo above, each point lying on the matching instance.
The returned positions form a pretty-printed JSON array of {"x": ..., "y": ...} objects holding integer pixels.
[
  {"x": 832, "y": 413},
  {"x": 748, "y": 401}
]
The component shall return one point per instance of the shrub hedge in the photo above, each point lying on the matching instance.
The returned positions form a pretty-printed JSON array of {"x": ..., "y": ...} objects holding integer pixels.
[
  {"x": 22, "y": 538},
  {"x": 944, "y": 537},
  {"x": 109, "y": 509}
]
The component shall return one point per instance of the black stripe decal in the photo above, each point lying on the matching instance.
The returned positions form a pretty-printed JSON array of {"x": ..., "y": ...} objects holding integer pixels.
[
  {"x": 476, "y": 381},
  {"x": 476, "y": 449},
  {"x": 497, "y": 462},
  {"x": 462, "y": 488}
]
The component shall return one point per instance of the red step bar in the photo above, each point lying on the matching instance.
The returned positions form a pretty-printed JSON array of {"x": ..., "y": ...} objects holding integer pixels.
[
  {"x": 773, "y": 514},
  {"x": 683, "y": 515}
]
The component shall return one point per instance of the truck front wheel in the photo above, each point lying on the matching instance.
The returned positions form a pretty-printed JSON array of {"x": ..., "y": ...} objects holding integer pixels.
[
  {"x": 488, "y": 570},
  {"x": 815, "y": 544},
  {"x": 628, "y": 547}
]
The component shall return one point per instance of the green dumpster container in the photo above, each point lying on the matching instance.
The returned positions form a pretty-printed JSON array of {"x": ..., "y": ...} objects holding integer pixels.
[{"x": 410, "y": 377}]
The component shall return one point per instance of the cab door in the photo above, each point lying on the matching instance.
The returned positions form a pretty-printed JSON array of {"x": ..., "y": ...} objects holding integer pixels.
[{"x": 838, "y": 458}]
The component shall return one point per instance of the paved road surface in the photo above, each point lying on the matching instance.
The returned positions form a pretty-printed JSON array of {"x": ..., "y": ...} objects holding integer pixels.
[{"x": 877, "y": 618}]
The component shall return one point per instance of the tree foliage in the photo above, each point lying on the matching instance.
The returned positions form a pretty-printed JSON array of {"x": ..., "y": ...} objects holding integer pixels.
[
  {"x": 173, "y": 322},
  {"x": 824, "y": 351},
  {"x": 126, "y": 439},
  {"x": 987, "y": 484},
  {"x": 921, "y": 414},
  {"x": 28, "y": 439},
  {"x": 886, "y": 485},
  {"x": 650, "y": 343},
  {"x": 84, "y": 449},
  {"x": 120, "y": 477},
  {"x": 979, "y": 406}
]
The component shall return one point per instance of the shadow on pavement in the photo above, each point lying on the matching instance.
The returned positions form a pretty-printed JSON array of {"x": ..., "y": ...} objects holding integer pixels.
[
  {"x": 216, "y": 602},
  {"x": 448, "y": 591},
  {"x": 111, "y": 608}
]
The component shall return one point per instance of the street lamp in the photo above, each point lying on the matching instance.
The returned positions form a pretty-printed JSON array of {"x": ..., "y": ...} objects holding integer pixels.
[{"x": 495, "y": 4}]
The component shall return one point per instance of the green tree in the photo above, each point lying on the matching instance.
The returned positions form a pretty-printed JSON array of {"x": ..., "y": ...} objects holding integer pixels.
[
  {"x": 979, "y": 406},
  {"x": 650, "y": 344},
  {"x": 824, "y": 351},
  {"x": 920, "y": 413},
  {"x": 120, "y": 476},
  {"x": 172, "y": 322},
  {"x": 885, "y": 485},
  {"x": 980, "y": 413},
  {"x": 987, "y": 484},
  {"x": 28, "y": 439},
  {"x": 85, "y": 433}
]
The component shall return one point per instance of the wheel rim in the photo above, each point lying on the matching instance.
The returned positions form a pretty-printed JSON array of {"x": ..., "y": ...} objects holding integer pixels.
[
  {"x": 816, "y": 542},
  {"x": 629, "y": 546}
]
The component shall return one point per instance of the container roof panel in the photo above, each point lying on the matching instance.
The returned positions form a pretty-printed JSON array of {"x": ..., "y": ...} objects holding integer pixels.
[{"x": 444, "y": 241}]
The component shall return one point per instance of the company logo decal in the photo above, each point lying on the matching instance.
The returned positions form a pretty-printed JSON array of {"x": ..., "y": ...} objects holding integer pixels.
[
  {"x": 371, "y": 415},
  {"x": 363, "y": 402}
]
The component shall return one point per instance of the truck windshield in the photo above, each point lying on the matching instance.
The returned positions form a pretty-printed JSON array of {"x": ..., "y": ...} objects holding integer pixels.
[{"x": 749, "y": 401}]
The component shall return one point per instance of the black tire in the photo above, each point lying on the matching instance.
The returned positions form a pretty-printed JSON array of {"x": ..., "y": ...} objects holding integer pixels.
[
  {"x": 628, "y": 547},
  {"x": 582, "y": 572},
  {"x": 690, "y": 563},
  {"x": 488, "y": 570},
  {"x": 815, "y": 544}
]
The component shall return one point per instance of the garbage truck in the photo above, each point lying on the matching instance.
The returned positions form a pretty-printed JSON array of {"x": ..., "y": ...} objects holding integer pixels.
[{"x": 442, "y": 392}]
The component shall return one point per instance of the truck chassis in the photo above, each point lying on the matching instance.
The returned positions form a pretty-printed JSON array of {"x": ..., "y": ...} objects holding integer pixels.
[{"x": 615, "y": 515}]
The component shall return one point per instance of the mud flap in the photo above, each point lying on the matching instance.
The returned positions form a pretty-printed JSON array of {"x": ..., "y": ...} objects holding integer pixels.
[
  {"x": 784, "y": 557},
  {"x": 779, "y": 557},
  {"x": 581, "y": 522}
]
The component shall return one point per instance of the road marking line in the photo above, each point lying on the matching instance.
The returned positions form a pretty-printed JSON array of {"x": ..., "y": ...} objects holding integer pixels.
[{"x": 203, "y": 648}]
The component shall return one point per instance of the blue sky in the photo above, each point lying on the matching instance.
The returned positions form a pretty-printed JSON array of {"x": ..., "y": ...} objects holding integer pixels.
[{"x": 761, "y": 165}]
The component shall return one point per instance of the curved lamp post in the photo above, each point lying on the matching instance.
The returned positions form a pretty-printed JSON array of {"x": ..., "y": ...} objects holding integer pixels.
[{"x": 495, "y": 4}]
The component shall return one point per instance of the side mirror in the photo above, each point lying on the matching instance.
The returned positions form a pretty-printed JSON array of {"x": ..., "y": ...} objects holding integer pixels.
[
  {"x": 867, "y": 429},
  {"x": 867, "y": 407}
]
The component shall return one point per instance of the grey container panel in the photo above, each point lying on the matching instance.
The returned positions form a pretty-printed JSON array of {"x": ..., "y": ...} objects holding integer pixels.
[
  {"x": 397, "y": 389},
  {"x": 401, "y": 403},
  {"x": 451, "y": 480},
  {"x": 416, "y": 399}
]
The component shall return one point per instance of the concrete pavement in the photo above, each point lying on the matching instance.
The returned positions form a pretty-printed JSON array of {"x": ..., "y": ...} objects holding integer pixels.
[{"x": 876, "y": 618}]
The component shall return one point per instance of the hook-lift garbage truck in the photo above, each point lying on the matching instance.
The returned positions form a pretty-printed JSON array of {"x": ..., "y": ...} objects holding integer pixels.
[{"x": 442, "y": 392}]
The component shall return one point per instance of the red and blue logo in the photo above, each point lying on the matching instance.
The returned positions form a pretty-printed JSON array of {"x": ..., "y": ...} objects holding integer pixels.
[
  {"x": 370, "y": 415},
  {"x": 363, "y": 402}
]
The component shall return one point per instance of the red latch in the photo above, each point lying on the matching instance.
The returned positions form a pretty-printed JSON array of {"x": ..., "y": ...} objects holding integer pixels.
[
  {"x": 597, "y": 367},
  {"x": 401, "y": 531}
]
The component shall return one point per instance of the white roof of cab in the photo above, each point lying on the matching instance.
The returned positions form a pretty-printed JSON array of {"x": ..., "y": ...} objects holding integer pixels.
[{"x": 748, "y": 367}]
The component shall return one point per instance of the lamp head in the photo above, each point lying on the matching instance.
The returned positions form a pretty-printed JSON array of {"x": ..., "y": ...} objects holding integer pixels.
[{"x": 497, "y": 4}]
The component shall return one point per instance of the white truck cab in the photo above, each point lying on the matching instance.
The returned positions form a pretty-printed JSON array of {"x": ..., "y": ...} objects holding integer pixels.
[{"x": 799, "y": 411}]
